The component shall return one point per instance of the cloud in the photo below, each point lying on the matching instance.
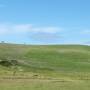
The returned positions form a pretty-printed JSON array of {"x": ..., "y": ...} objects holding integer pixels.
[
  {"x": 29, "y": 31},
  {"x": 23, "y": 28},
  {"x": 45, "y": 34},
  {"x": 6, "y": 29},
  {"x": 47, "y": 29},
  {"x": 87, "y": 43}
]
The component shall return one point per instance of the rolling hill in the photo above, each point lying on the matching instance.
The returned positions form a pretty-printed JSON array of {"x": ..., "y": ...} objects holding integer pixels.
[{"x": 54, "y": 60}]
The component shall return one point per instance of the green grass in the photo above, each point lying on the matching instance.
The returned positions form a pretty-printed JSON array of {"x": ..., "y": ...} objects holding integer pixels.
[
  {"x": 60, "y": 67},
  {"x": 43, "y": 85}
]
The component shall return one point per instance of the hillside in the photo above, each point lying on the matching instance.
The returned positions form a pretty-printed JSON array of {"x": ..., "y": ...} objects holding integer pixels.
[{"x": 59, "y": 59}]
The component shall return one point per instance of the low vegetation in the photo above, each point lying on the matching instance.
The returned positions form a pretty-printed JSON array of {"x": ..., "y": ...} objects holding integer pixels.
[{"x": 44, "y": 67}]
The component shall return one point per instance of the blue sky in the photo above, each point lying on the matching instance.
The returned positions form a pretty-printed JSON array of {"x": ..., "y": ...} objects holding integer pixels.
[{"x": 45, "y": 21}]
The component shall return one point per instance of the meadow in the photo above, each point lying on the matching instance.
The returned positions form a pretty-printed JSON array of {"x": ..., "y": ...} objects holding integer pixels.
[{"x": 45, "y": 67}]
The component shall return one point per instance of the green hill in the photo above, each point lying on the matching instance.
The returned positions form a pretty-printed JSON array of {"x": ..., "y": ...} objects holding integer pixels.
[{"x": 64, "y": 60}]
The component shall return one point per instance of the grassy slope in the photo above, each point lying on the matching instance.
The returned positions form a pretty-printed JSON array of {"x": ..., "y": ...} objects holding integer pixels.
[
  {"x": 43, "y": 85},
  {"x": 69, "y": 64},
  {"x": 55, "y": 58}
]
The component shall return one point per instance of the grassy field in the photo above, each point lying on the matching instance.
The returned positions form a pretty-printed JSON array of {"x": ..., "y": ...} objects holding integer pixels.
[
  {"x": 45, "y": 67},
  {"x": 35, "y": 84}
]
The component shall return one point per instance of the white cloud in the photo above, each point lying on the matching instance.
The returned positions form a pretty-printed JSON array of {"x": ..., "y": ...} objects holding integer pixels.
[
  {"x": 87, "y": 43},
  {"x": 14, "y": 28},
  {"x": 46, "y": 34},
  {"x": 30, "y": 32},
  {"x": 22, "y": 28},
  {"x": 6, "y": 29},
  {"x": 47, "y": 29}
]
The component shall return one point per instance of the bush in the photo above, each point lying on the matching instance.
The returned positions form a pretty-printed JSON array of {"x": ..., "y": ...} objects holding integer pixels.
[{"x": 8, "y": 63}]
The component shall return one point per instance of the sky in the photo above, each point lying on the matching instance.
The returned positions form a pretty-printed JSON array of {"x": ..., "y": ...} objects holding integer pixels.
[{"x": 45, "y": 21}]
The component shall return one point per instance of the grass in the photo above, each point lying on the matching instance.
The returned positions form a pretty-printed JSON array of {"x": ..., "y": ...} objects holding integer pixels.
[
  {"x": 43, "y": 85},
  {"x": 60, "y": 67}
]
